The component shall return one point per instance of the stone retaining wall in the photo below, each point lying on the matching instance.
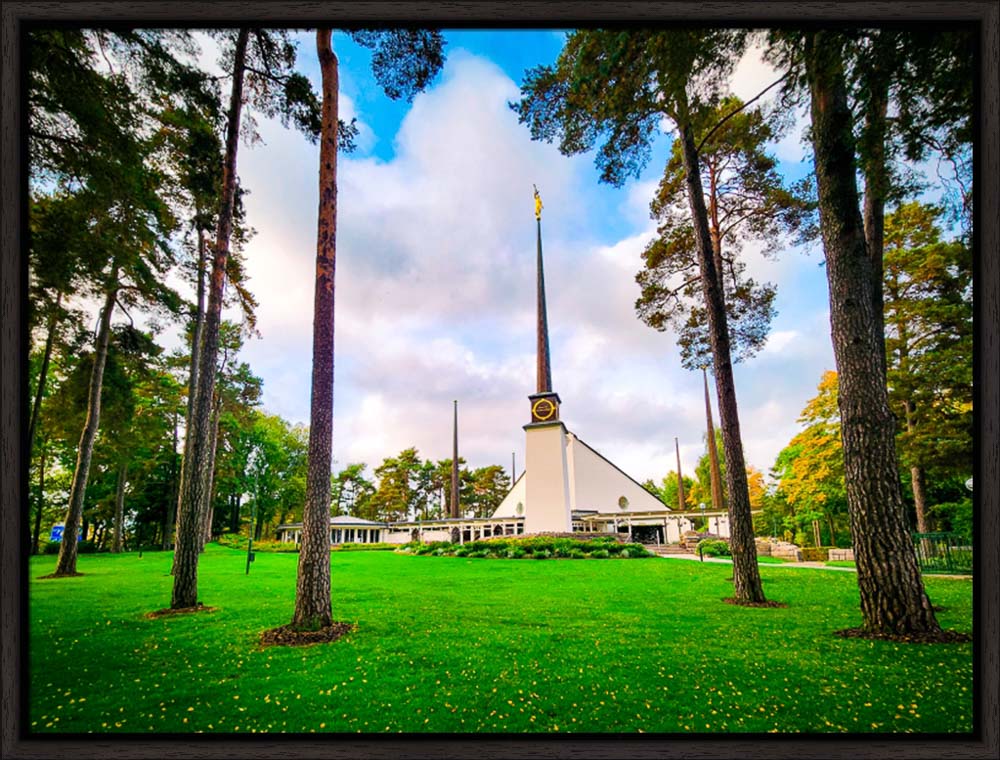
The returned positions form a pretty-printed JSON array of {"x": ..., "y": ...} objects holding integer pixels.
[{"x": 842, "y": 555}]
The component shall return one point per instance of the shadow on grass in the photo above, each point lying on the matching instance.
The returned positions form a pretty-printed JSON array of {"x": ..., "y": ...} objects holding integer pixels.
[
  {"x": 287, "y": 636},
  {"x": 167, "y": 612},
  {"x": 59, "y": 575}
]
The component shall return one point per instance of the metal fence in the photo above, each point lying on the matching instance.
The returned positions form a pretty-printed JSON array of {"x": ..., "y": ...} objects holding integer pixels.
[{"x": 943, "y": 553}]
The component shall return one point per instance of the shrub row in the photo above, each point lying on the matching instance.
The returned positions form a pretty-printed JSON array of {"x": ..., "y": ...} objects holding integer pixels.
[
  {"x": 364, "y": 547},
  {"x": 815, "y": 553},
  {"x": 533, "y": 547},
  {"x": 82, "y": 547},
  {"x": 714, "y": 547},
  {"x": 237, "y": 541}
]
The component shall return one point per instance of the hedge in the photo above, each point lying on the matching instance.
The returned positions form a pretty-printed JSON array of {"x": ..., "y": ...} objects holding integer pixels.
[{"x": 532, "y": 547}]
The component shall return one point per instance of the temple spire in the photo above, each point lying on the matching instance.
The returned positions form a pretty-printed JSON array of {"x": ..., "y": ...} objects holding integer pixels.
[
  {"x": 544, "y": 370},
  {"x": 454, "y": 466},
  {"x": 713, "y": 451},
  {"x": 680, "y": 478}
]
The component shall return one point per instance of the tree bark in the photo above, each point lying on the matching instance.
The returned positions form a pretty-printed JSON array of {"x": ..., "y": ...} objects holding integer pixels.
[
  {"x": 194, "y": 365},
  {"x": 893, "y": 600},
  {"x": 746, "y": 575},
  {"x": 196, "y": 460},
  {"x": 170, "y": 518},
  {"x": 313, "y": 607},
  {"x": 234, "y": 519},
  {"x": 74, "y": 514},
  {"x": 876, "y": 173},
  {"x": 917, "y": 481},
  {"x": 116, "y": 546},
  {"x": 41, "y": 499},
  {"x": 43, "y": 373},
  {"x": 209, "y": 510}
]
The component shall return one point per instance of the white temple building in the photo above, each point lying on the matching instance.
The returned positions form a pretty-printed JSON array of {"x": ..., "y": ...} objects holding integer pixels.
[{"x": 566, "y": 486}]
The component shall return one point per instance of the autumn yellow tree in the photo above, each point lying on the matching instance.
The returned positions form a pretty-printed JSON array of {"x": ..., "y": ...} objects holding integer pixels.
[{"x": 810, "y": 469}]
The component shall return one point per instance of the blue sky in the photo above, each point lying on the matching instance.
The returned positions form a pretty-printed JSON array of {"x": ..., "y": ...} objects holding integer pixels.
[{"x": 435, "y": 277}]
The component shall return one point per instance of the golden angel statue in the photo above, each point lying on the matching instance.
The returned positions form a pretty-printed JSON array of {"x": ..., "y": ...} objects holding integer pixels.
[{"x": 538, "y": 204}]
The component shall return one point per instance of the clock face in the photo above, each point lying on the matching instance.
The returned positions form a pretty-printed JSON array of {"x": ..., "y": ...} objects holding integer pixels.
[{"x": 543, "y": 409}]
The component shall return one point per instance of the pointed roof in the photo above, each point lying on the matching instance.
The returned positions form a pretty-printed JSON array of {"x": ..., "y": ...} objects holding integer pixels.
[{"x": 544, "y": 373}]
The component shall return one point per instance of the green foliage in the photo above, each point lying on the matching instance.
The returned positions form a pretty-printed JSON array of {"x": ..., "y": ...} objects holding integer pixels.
[
  {"x": 351, "y": 492},
  {"x": 810, "y": 470},
  {"x": 613, "y": 87},
  {"x": 955, "y": 517},
  {"x": 747, "y": 201},
  {"x": 404, "y": 61},
  {"x": 815, "y": 553},
  {"x": 86, "y": 547},
  {"x": 711, "y": 547},
  {"x": 351, "y": 547},
  {"x": 928, "y": 319},
  {"x": 581, "y": 633},
  {"x": 237, "y": 541},
  {"x": 535, "y": 547},
  {"x": 668, "y": 491},
  {"x": 701, "y": 488}
]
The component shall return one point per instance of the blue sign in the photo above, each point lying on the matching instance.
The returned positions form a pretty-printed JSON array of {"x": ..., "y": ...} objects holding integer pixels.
[{"x": 56, "y": 534}]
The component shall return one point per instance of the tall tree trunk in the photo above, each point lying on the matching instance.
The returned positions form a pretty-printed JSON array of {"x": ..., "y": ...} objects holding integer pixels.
[
  {"x": 718, "y": 500},
  {"x": 875, "y": 171},
  {"x": 74, "y": 514},
  {"x": 209, "y": 510},
  {"x": 199, "y": 323},
  {"x": 234, "y": 518},
  {"x": 313, "y": 607},
  {"x": 917, "y": 480},
  {"x": 116, "y": 547},
  {"x": 41, "y": 498},
  {"x": 169, "y": 516},
  {"x": 43, "y": 372},
  {"x": 893, "y": 600},
  {"x": 746, "y": 575},
  {"x": 194, "y": 364},
  {"x": 192, "y": 496}
]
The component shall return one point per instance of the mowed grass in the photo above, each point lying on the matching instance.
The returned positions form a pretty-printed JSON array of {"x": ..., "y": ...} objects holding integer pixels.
[{"x": 480, "y": 645}]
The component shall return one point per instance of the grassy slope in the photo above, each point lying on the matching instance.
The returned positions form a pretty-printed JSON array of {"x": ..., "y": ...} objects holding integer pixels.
[{"x": 454, "y": 645}]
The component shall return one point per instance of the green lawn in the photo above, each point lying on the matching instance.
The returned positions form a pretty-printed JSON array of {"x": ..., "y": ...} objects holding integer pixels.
[{"x": 456, "y": 645}]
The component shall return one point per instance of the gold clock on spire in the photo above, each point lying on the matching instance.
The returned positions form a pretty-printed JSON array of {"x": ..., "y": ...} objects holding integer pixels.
[{"x": 538, "y": 204}]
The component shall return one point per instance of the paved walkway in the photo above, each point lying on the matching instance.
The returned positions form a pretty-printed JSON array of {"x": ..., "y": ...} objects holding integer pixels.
[
  {"x": 724, "y": 561},
  {"x": 813, "y": 565}
]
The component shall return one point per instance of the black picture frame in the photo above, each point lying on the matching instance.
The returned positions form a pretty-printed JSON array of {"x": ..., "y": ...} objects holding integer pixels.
[{"x": 13, "y": 350}]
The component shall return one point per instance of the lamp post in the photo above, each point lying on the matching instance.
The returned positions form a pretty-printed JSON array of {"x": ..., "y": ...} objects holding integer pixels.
[{"x": 703, "y": 523}]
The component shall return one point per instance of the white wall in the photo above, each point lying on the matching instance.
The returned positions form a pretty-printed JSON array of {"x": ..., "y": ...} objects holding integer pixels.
[
  {"x": 546, "y": 504},
  {"x": 598, "y": 484},
  {"x": 516, "y": 495}
]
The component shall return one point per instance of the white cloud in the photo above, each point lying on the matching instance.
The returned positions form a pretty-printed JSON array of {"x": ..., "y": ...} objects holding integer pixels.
[{"x": 436, "y": 294}]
